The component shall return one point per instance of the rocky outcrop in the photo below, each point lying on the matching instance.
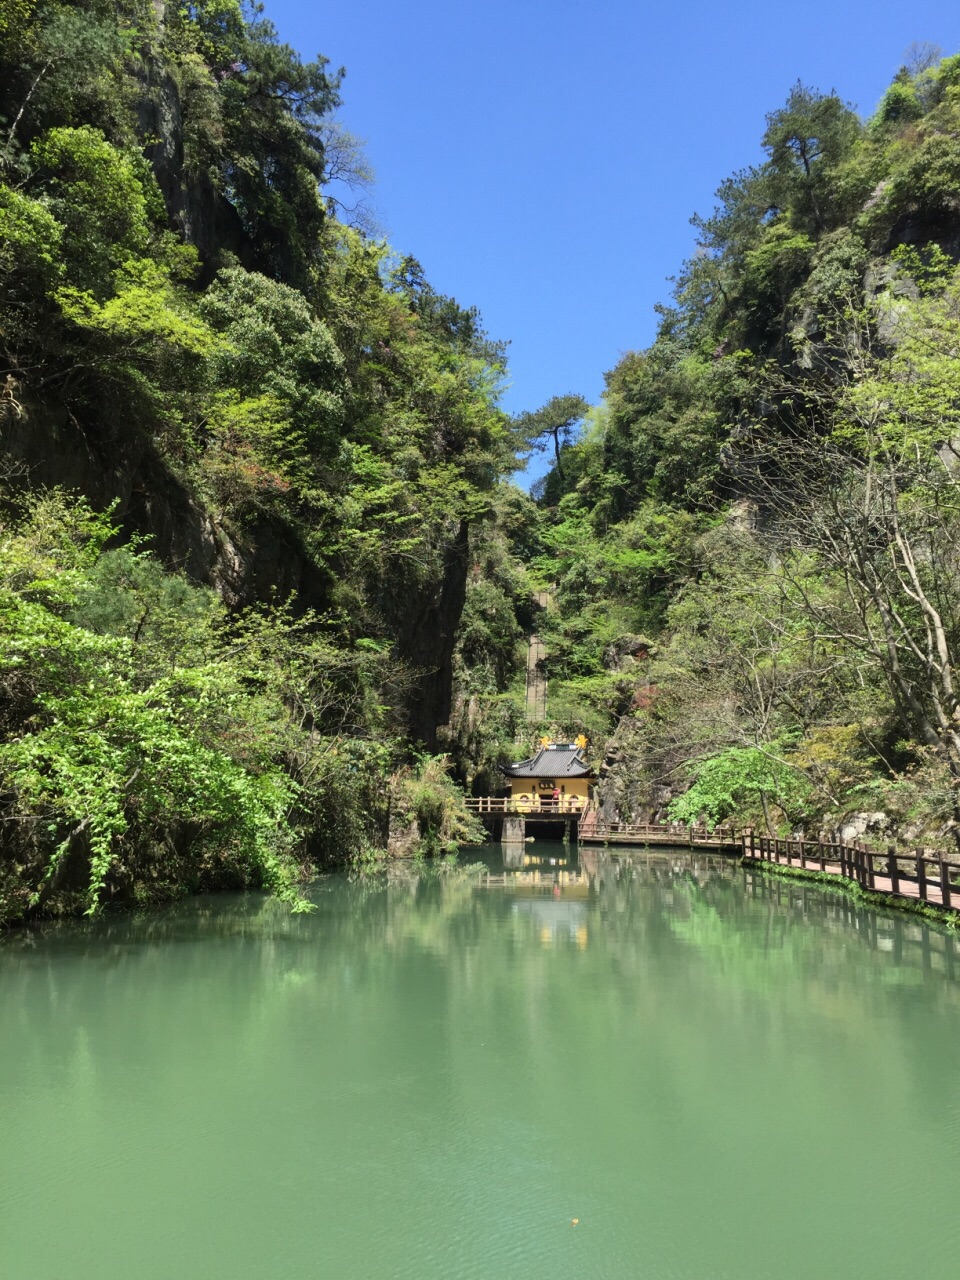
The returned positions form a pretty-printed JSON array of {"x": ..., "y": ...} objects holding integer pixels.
[
  {"x": 197, "y": 209},
  {"x": 403, "y": 837},
  {"x": 121, "y": 467},
  {"x": 860, "y": 826},
  {"x": 264, "y": 561},
  {"x": 424, "y": 618},
  {"x": 627, "y": 652}
]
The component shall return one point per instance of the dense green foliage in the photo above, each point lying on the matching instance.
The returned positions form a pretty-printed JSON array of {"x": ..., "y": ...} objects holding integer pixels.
[
  {"x": 152, "y": 741},
  {"x": 753, "y": 545},
  {"x": 273, "y": 399},
  {"x": 273, "y": 565}
]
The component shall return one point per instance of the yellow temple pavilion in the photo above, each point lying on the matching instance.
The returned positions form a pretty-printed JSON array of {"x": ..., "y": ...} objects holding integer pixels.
[{"x": 558, "y": 778}]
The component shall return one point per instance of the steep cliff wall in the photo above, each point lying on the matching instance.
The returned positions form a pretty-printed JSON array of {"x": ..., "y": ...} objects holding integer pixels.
[
  {"x": 119, "y": 467},
  {"x": 279, "y": 406}
]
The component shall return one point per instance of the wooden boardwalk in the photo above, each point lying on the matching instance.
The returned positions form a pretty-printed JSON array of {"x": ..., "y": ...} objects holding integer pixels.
[
  {"x": 925, "y": 877},
  {"x": 932, "y": 878},
  {"x": 650, "y": 833}
]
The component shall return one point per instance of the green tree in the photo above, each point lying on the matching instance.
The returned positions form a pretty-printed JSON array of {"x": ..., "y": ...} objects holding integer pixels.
[
  {"x": 736, "y": 781},
  {"x": 805, "y": 140},
  {"x": 555, "y": 422}
]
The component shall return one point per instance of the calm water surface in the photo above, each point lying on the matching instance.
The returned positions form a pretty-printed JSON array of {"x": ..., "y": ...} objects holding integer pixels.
[{"x": 719, "y": 1075}]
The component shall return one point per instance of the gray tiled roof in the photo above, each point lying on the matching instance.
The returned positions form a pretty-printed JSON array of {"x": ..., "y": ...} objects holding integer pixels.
[{"x": 551, "y": 762}]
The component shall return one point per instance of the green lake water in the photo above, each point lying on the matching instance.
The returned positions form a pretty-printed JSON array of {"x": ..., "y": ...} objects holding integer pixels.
[{"x": 720, "y": 1074}]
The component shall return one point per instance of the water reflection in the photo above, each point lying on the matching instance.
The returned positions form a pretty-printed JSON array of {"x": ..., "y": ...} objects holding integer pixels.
[
  {"x": 695, "y": 899},
  {"x": 433, "y": 1073},
  {"x": 681, "y": 892}
]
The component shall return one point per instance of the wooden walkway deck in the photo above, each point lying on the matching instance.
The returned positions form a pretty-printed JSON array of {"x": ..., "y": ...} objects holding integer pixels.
[
  {"x": 926, "y": 877},
  {"x": 918, "y": 876},
  {"x": 646, "y": 834}
]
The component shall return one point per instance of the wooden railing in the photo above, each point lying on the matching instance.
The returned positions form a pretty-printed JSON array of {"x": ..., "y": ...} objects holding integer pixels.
[
  {"x": 920, "y": 875},
  {"x": 593, "y": 827},
  {"x": 525, "y": 808},
  {"x": 929, "y": 877},
  {"x": 670, "y": 833}
]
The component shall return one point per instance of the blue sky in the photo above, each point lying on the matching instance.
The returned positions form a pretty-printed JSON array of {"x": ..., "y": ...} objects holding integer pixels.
[{"x": 542, "y": 160}]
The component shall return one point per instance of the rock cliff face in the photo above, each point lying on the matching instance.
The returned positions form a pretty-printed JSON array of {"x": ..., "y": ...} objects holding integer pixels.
[
  {"x": 119, "y": 465},
  {"x": 196, "y": 209},
  {"x": 425, "y": 625},
  {"x": 94, "y": 442}
]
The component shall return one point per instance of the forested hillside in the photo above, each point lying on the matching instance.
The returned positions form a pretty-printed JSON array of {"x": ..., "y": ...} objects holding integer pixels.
[
  {"x": 264, "y": 581},
  {"x": 755, "y": 540},
  {"x": 243, "y": 447}
]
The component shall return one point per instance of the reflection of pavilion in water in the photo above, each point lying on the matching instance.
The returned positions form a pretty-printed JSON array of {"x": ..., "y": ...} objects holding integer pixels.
[
  {"x": 548, "y": 889},
  {"x": 554, "y": 888},
  {"x": 557, "y": 893},
  {"x": 576, "y": 873},
  {"x": 555, "y": 916}
]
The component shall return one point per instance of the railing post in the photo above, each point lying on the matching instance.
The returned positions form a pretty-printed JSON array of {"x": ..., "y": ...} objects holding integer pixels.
[
  {"x": 893, "y": 869},
  {"x": 921, "y": 874},
  {"x": 945, "y": 894}
]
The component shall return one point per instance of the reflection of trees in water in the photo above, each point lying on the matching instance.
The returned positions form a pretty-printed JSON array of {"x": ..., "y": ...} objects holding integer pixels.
[
  {"x": 728, "y": 910},
  {"x": 666, "y": 942}
]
